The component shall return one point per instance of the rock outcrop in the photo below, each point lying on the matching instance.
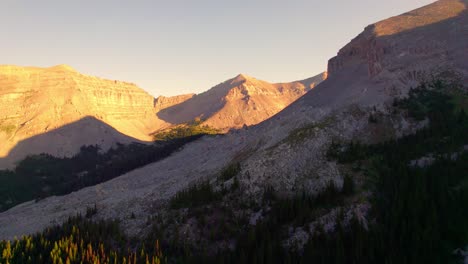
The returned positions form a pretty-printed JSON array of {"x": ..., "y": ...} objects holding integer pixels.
[
  {"x": 240, "y": 101},
  {"x": 163, "y": 102}
]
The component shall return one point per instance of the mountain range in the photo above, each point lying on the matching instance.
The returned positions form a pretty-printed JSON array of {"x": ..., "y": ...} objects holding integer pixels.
[
  {"x": 292, "y": 134},
  {"x": 46, "y": 101}
]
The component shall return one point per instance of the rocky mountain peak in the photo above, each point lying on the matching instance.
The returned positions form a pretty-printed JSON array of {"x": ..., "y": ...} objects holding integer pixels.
[
  {"x": 62, "y": 67},
  {"x": 241, "y": 78},
  {"x": 242, "y": 100},
  {"x": 397, "y": 42}
]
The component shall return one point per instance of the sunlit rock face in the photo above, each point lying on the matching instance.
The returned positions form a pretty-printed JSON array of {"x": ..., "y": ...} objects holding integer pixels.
[
  {"x": 240, "y": 101},
  {"x": 163, "y": 102},
  {"x": 44, "y": 108},
  {"x": 35, "y": 101}
]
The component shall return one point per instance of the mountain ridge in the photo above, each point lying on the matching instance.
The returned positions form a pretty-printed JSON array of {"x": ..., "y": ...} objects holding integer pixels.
[
  {"x": 288, "y": 151},
  {"x": 35, "y": 100}
]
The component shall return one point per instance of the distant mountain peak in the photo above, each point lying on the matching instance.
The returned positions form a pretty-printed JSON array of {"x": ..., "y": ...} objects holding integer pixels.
[
  {"x": 241, "y": 77},
  {"x": 63, "y": 67},
  {"x": 16, "y": 68}
]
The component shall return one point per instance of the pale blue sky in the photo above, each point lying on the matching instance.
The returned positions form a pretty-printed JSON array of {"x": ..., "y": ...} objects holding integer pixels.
[{"x": 174, "y": 47}]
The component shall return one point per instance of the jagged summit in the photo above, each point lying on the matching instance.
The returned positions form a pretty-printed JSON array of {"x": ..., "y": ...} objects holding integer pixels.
[{"x": 241, "y": 77}]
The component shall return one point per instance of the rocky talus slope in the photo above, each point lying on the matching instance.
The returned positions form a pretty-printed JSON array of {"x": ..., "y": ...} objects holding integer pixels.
[{"x": 287, "y": 151}]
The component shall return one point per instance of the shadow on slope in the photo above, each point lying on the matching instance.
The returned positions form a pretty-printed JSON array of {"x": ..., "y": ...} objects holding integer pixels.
[
  {"x": 41, "y": 175},
  {"x": 201, "y": 105},
  {"x": 67, "y": 140},
  {"x": 207, "y": 104}
]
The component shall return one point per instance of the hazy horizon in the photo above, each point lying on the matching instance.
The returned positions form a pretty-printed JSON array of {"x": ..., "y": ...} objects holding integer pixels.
[{"x": 184, "y": 46}]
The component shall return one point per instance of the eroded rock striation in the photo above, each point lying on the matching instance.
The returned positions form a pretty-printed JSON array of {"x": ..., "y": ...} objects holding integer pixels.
[{"x": 37, "y": 101}]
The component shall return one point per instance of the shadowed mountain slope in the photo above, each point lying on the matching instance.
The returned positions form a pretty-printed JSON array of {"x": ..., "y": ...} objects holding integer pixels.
[
  {"x": 66, "y": 140},
  {"x": 34, "y": 101}
]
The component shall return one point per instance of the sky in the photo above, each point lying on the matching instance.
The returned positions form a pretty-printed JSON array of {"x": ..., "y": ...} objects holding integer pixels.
[{"x": 186, "y": 46}]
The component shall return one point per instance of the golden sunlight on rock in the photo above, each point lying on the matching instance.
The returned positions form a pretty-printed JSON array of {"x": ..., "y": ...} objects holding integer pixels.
[
  {"x": 52, "y": 104},
  {"x": 34, "y": 101},
  {"x": 423, "y": 16}
]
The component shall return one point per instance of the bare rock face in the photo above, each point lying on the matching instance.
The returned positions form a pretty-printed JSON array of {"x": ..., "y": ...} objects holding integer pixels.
[
  {"x": 36, "y": 101},
  {"x": 163, "y": 102},
  {"x": 394, "y": 49},
  {"x": 240, "y": 101}
]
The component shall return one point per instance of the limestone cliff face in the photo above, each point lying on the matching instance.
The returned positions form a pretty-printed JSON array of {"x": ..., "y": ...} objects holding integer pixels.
[
  {"x": 240, "y": 101},
  {"x": 34, "y": 101}
]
